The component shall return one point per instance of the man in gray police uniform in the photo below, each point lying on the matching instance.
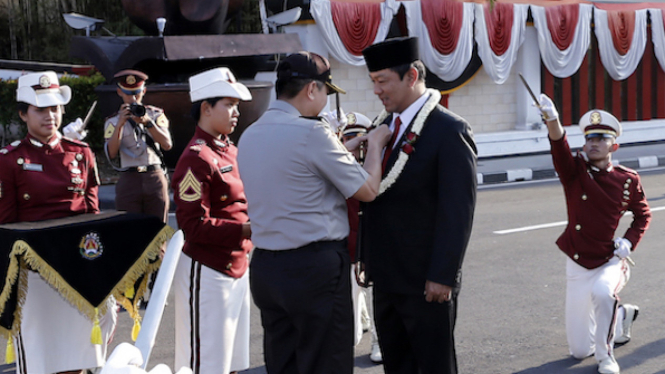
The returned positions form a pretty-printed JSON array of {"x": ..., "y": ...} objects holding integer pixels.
[{"x": 297, "y": 175}]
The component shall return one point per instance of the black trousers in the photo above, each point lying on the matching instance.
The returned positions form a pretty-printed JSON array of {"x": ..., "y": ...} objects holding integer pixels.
[
  {"x": 304, "y": 296},
  {"x": 416, "y": 337}
]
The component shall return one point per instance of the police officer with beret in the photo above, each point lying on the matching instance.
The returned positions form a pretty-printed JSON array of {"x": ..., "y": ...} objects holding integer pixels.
[
  {"x": 297, "y": 176},
  {"x": 48, "y": 176},
  {"x": 598, "y": 193},
  {"x": 134, "y": 139}
]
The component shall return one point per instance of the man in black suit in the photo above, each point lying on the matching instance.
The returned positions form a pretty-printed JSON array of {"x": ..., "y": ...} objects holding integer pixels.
[{"x": 417, "y": 230}]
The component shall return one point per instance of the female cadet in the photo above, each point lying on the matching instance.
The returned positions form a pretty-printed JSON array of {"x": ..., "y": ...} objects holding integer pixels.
[
  {"x": 211, "y": 281},
  {"x": 47, "y": 176}
]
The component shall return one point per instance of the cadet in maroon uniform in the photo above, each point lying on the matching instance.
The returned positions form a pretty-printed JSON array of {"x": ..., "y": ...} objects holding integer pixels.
[
  {"x": 47, "y": 176},
  {"x": 598, "y": 194},
  {"x": 211, "y": 282}
]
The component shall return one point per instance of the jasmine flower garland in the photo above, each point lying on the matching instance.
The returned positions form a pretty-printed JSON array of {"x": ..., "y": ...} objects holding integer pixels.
[{"x": 409, "y": 146}]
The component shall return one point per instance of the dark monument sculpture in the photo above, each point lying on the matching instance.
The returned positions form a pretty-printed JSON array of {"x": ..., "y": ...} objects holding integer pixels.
[{"x": 191, "y": 43}]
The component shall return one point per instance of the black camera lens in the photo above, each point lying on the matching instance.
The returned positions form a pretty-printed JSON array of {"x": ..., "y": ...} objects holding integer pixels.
[{"x": 137, "y": 109}]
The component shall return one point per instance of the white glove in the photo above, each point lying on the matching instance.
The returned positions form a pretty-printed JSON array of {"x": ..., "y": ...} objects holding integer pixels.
[
  {"x": 74, "y": 130},
  {"x": 547, "y": 108},
  {"x": 126, "y": 359},
  {"x": 336, "y": 124},
  {"x": 623, "y": 247}
]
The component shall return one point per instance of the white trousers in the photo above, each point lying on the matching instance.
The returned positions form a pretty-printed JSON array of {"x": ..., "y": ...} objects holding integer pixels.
[
  {"x": 211, "y": 319},
  {"x": 362, "y": 299},
  {"x": 592, "y": 305},
  {"x": 55, "y": 336}
]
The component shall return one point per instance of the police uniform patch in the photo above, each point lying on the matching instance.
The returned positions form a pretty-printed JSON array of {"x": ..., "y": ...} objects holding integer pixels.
[
  {"x": 130, "y": 79},
  {"x": 110, "y": 127},
  {"x": 162, "y": 121},
  {"x": 595, "y": 118},
  {"x": 189, "y": 188},
  {"x": 91, "y": 247}
]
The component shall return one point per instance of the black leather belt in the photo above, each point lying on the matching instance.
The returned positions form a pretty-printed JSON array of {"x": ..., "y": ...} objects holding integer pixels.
[{"x": 144, "y": 169}]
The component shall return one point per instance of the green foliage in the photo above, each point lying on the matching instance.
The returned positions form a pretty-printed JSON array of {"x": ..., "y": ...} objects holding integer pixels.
[
  {"x": 83, "y": 95},
  {"x": 35, "y": 29},
  {"x": 247, "y": 21}
]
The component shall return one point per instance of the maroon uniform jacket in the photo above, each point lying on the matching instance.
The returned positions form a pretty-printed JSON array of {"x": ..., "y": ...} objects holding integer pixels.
[
  {"x": 596, "y": 200},
  {"x": 45, "y": 181},
  {"x": 211, "y": 204}
]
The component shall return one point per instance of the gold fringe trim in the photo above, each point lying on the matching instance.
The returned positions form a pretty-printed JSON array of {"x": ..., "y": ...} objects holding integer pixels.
[{"x": 22, "y": 257}]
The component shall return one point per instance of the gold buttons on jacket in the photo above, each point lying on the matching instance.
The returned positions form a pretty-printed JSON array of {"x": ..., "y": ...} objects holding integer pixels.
[
  {"x": 20, "y": 161},
  {"x": 584, "y": 197},
  {"x": 228, "y": 267},
  {"x": 576, "y": 256},
  {"x": 224, "y": 197},
  {"x": 26, "y": 196},
  {"x": 578, "y": 227}
]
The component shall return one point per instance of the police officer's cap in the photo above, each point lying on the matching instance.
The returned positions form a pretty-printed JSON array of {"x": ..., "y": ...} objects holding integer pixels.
[
  {"x": 42, "y": 90},
  {"x": 307, "y": 65},
  {"x": 391, "y": 53},
  {"x": 599, "y": 123},
  {"x": 130, "y": 81},
  {"x": 356, "y": 123}
]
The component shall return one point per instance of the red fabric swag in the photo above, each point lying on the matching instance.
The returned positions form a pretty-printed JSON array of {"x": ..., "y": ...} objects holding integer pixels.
[
  {"x": 562, "y": 22},
  {"x": 356, "y": 24},
  {"x": 622, "y": 27},
  {"x": 499, "y": 26},
  {"x": 444, "y": 22}
]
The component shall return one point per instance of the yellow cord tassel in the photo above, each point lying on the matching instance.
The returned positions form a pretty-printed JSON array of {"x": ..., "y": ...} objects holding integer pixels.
[
  {"x": 9, "y": 353},
  {"x": 129, "y": 292},
  {"x": 136, "y": 329},
  {"x": 96, "y": 335}
]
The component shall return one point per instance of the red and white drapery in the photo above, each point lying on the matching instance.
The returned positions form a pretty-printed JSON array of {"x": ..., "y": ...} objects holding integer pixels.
[
  {"x": 445, "y": 34},
  {"x": 564, "y": 35},
  {"x": 499, "y": 35},
  {"x": 658, "y": 35},
  {"x": 348, "y": 28},
  {"x": 622, "y": 37}
]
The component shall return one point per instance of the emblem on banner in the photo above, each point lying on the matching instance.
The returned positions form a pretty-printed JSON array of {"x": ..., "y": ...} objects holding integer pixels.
[{"x": 91, "y": 247}]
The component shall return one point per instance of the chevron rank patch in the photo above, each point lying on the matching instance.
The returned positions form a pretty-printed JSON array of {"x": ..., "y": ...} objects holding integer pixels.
[{"x": 189, "y": 188}]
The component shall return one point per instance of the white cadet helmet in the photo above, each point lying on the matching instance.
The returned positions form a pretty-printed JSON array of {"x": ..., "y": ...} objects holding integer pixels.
[
  {"x": 42, "y": 90},
  {"x": 600, "y": 123},
  {"x": 218, "y": 82}
]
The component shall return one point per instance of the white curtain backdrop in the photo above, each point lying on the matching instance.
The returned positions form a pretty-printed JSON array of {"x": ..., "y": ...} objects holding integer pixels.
[
  {"x": 563, "y": 64},
  {"x": 620, "y": 67},
  {"x": 320, "y": 10},
  {"x": 498, "y": 67},
  {"x": 447, "y": 67}
]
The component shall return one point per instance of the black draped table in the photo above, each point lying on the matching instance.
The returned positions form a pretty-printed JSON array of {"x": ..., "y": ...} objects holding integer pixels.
[{"x": 86, "y": 258}]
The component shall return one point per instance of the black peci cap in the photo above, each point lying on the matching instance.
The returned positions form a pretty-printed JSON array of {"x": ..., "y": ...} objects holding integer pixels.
[{"x": 390, "y": 53}]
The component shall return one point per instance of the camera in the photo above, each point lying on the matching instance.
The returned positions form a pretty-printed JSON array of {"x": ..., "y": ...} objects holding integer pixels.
[{"x": 137, "y": 109}]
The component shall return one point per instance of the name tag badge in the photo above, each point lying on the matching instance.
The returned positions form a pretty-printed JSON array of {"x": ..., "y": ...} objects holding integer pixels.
[
  {"x": 33, "y": 167},
  {"x": 226, "y": 169}
]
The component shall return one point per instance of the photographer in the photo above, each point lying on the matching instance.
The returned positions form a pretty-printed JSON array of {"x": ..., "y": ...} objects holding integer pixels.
[{"x": 135, "y": 137}]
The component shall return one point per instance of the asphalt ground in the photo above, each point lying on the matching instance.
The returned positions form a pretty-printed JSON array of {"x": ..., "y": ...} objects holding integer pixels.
[{"x": 511, "y": 308}]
